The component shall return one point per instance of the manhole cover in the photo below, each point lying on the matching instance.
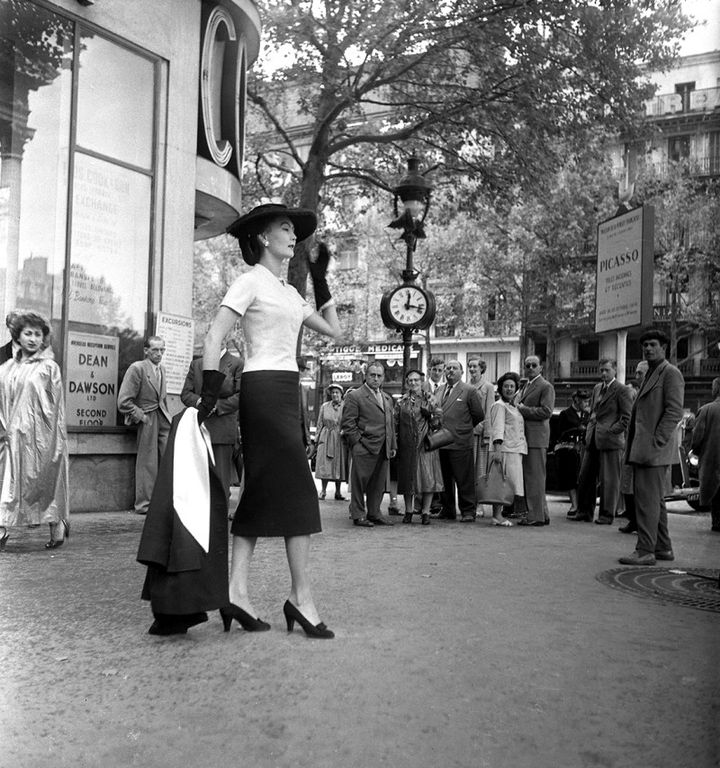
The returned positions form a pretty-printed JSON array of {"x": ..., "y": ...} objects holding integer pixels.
[{"x": 694, "y": 587}]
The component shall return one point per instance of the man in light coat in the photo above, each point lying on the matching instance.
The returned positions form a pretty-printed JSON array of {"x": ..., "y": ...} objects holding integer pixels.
[
  {"x": 651, "y": 448},
  {"x": 143, "y": 401},
  {"x": 706, "y": 444},
  {"x": 535, "y": 401},
  {"x": 610, "y": 408},
  {"x": 367, "y": 425}
]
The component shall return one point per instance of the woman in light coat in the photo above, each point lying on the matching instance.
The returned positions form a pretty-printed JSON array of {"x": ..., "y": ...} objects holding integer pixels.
[
  {"x": 330, "y": 459},
  {"x": 507, "y": 437}
]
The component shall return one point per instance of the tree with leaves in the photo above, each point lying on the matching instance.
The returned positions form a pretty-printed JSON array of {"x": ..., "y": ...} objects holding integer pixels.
[
  {"x": 484, "y": 87},
  {"x": 687, "y": 248}
]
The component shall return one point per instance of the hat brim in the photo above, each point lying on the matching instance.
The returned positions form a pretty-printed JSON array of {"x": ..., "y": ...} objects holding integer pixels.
[
  {"x": 330, "y": 388},
  {"x": 303, "y": 220}
]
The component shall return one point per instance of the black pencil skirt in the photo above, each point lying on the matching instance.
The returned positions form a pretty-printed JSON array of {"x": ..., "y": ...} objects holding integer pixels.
[{"x": 279, "y": 497}]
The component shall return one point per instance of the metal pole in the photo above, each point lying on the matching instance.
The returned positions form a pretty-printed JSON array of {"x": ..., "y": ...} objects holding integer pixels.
[{"x": 408, "y": 277}]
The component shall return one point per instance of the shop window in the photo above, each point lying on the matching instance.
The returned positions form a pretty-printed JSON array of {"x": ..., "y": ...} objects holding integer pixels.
[
  {"x": 36, "y": 53},
  {"x": 85, "y": 266},
  {"x": 115, "y": 102}
]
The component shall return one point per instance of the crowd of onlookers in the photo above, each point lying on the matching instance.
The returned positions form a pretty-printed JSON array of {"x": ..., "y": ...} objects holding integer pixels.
[{"x": 455, "y": 446}]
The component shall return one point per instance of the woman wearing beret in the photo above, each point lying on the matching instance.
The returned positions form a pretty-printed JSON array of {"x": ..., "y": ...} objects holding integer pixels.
[
  {"x": 279, "y": 497},
  {"x": 330, "y": 459}
]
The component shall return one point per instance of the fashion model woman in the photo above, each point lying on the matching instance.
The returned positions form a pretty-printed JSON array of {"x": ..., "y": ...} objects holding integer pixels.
[
  {"x": 419, "y": 472},
  {"x": 272, "y": 313},
  {"x": 331, "y": 458},
  {"x": 33, "y": 440},
  {"x": 507, "y": 437}
]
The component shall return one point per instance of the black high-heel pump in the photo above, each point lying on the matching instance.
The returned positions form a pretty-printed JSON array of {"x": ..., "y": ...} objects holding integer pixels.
[
  {"x": 246, "y": 621},
  {"x": 311, "y": 630},
  {"x": 55, "y": 543}
]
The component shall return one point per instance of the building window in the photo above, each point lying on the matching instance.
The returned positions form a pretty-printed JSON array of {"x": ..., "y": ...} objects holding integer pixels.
[
  {"x": 678, "y": 148},
  {"x": 714, "y": 153},
  {"x": 77, "y": 178},
  {"x": 684, "y": 90}
]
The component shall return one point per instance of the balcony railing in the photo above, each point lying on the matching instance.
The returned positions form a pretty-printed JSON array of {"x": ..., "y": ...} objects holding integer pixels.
[
  {"x": 584, "y": 370},
  {"x": 701, "y": 100}
]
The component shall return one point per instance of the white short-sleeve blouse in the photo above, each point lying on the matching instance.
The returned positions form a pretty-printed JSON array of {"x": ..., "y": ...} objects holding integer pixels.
[{"x": 272, "y": 312}]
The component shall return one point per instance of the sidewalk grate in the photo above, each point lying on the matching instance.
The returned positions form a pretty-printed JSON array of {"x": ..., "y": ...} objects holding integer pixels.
[{"x": 693, "y": 588}]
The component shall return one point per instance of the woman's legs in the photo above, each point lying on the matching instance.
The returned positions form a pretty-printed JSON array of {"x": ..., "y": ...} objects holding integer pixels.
[
  {"x": 338, "y": 492},
  {"x": 573, "y": 494},
  {"x": 324, "y": 488},
  {"x": 242, "y": 552},
  {"x": 425, "y": 509},
  {"x": 298, "y": 555},
  {"x": 409, "y": 500}
]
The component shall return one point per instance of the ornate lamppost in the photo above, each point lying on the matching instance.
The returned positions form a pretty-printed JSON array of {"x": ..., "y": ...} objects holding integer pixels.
[{"x": 409, "y": 307}]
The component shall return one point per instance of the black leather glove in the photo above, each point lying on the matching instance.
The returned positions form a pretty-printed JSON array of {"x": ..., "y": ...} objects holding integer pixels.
[
  {"x": 212, "y": 383},
  {"x": 318, "y": 272}
]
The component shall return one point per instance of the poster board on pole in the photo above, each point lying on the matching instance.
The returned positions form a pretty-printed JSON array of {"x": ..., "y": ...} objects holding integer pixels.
[
  {"x": 624, "y": 275},
  {"x": 177, "y": 331}
]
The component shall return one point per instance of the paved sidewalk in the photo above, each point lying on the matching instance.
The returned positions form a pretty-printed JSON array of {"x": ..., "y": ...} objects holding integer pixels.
[{"x": 457, "y": 646}]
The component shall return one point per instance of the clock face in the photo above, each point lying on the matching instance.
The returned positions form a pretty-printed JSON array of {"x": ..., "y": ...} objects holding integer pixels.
[{"x": 408, "y": 305}]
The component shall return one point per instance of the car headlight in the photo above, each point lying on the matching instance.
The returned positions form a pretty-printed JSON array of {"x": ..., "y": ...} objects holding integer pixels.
[{"x": 693, "y": 459}]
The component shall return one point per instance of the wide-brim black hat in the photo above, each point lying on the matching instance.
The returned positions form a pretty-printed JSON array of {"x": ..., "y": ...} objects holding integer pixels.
[{"x": 304, "y": 221}]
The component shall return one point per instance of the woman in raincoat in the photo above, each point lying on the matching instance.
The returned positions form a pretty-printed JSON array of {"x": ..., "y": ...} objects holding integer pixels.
[
  {"x": 331, "y": 461},
  {"x": 33, "y": 440}
]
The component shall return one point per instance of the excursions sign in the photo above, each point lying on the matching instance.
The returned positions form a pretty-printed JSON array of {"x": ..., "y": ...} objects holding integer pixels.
[{"x": 623, "y": 288}]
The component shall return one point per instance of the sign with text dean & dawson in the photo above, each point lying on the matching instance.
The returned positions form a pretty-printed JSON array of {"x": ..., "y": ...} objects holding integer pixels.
[
  {"x": 623, "y": 288},
  {"x": 91, "y": 385},
  {"x": 177, "y": 331}
]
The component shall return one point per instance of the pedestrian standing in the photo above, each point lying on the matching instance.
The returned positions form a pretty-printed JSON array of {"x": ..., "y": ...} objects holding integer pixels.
[
  {"x": 535, "y": 401},
  {"x": 706, "y": 444},
  {"x": 604, "y": 443},
  {"x": 462, "y": 411},
  {"x": 367, "y": 424},
  {"x": 330, "y": 458},
  {"x": 33, "y": 438},
  {"x": 143, "y": 401},
  {"x": 651, "y": 447}
]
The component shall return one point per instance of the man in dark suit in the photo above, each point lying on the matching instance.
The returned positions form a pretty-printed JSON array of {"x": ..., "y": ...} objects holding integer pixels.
[
  {"x": 367, "y": 424},
  {"x": 435, "y": 379},
  {"x": 222, "y": 423},
  {"x": 651, "y": 448},
  {"x": 143, "y": 401},
  {"x": 462, "y": 410},
  {"x": 535, "y": 401},
  {"x": 610, "y": 408}
]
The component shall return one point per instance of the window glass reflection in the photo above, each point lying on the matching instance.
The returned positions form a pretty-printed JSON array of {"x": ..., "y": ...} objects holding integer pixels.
[
  {"x": 35, "y": 71},
  {"x": 115, "y": 102}
]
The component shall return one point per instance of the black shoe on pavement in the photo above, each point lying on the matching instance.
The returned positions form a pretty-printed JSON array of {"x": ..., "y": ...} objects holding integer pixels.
[
  {"x": 380, "y": 520},
  {"x": 666, "y": 554},
  {"x": 628, "y": 528},
  {"x": 363, "y": 522},
  {"x": 604, "y": 521}
]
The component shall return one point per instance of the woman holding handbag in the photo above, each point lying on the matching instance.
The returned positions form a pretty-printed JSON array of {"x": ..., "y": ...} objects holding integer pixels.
[
  {"x": 419, "y": 474},
  {"x": 507, "y": 436}
]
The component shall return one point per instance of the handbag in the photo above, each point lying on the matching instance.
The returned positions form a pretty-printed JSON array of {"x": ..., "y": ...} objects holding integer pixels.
[
  {"x": 438, "y": 438},
  {"x": 494, "y": 487}
]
